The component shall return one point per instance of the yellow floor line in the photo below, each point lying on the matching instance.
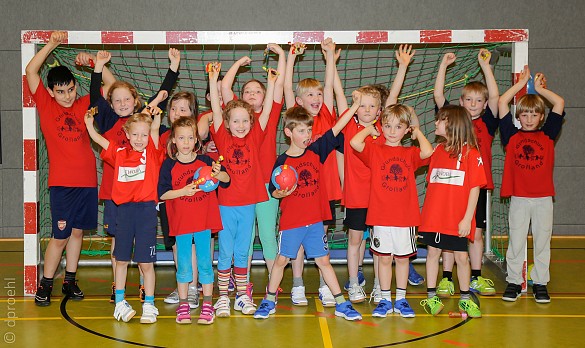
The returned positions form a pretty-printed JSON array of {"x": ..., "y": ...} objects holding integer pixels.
[{"x": 323, "y": 325}]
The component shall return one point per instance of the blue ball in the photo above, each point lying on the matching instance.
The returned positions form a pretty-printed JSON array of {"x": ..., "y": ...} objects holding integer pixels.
[{"x": 530, "y": 86}]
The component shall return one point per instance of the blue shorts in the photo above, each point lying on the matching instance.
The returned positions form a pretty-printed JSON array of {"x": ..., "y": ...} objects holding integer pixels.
[
  {"x": 110, "y": 215},
  {"x": 73, "y": 207},
  {"x": 136, "y": 226},
  {"x": 311, "y": 237}
]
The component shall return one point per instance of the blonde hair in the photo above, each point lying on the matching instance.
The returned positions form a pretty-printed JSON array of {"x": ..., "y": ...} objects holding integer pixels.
[
  {"x": 458, "y": 129},
  {"x": 384, "y": 92},
  {"x": 234, "y": 104},
  {"x": 187, "y": 122},
  {"x": 128, "y": 86},
  {"x": 372, "y": 92},
  {"x": 296, "y": 116},
  {"x": 189, "y": 97},
  {"x": 137, "y": 118},
  {"x": 530, "y": 103},
  {"x": 475, "y": 87},
  {"x": 305, "y": 84},
  {"x": 399, "y": 111}
]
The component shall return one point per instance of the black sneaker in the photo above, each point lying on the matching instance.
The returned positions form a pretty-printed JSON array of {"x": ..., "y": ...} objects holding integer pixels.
[
  {"x": 540, "y": 293},
  {"x": 43, "y": 295},
  {"x": 72, "y": 290},
  {"x": 142, "y": 293},
  {"x": 113, "y": 297},
  {"x": 512, "y": 292}
]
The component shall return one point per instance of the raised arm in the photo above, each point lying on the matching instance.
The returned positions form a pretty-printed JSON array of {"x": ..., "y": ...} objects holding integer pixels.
[
  {"x": 100, "y": 60},
  {"x": 438, "y": 93},
  {"x": 506, "y": 98},
  {"x": 483, "y": 57},
  {"x": 404, "y": 57},
  {"x": 296, "y": 49},
  {"x": 347, "y": 116},
  {"x": 328, "y": 46},
  {"x": 228, "y": 80},
  {"x": 94, "y": 135},
  {"x": 88, "y": 59},
  {"x": 268, "y": 97},
  {"x": 214, "y": 69},
  {"x": 281, "y": 69},
  {"x": 153, "y": 110},
  {"x": 32, "y": 69},
  {"x": 337, "y": 85},
  {"x": 358, "y": 142},
  {"x": 426, "y": 148},
  {"x": 558, "y": 103}
]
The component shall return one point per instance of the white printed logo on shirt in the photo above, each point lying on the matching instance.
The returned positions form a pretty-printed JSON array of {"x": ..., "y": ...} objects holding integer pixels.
[
  {"x": 129, "y": 174},
  {"x": 447, "y": 176}
]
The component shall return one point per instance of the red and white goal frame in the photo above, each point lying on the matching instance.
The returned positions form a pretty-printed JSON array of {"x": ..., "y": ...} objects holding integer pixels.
[{"x": 518, "y": 38}]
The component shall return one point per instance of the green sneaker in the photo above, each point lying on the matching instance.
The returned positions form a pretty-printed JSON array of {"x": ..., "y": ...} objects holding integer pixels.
[
  {"x": 470, "y": 308},
  {"x": 483, "y": 286},
  {"x": 446, "y": 288},
  {"x": 432, "y": 305}
]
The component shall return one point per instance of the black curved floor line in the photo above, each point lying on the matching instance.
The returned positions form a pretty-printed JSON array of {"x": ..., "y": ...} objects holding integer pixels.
[{"x": 423, "y": 337}]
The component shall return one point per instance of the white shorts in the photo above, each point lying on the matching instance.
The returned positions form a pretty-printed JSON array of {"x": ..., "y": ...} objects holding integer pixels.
[{"x": 397, "y": 241}]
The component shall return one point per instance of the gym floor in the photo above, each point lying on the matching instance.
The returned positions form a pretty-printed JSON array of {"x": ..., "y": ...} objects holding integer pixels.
[{"x": 90, "y": 321}]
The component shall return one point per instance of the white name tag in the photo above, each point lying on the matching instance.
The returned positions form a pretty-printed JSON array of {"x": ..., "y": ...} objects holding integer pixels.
[
  {"x": 128, "y": 174},
  {"x": 447, "y": 176}
]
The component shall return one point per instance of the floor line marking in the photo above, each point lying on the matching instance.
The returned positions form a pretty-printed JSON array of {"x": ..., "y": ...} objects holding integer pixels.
[{"x": 323, "y": 325}]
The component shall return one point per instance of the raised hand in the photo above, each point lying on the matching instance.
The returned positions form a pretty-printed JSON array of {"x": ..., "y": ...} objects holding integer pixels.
[
  {"x": 102, "y": 57},
  {"x": 174, "y": 56},
  {"x": 297, "y": 48},
  {"x": 483, "y": 57},
  {"x": 213, "y": 69},
  {"x": 57, "y": 38},
  {"x": 448, "y": 59},
  {"x": 404, "y": 54}
]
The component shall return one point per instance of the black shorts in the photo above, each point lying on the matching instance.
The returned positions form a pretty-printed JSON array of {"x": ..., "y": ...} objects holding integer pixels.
[
  {"x": 72, "y": 207},
  {"x": 355, "y": 218},
  {"x": 331, "y": 222},
  {"x": 136, "y": 229},
  {"x": 480, "y": 213},
  {"x": 164, "y": 226},
  {"x": 443, "y": 241},
  {"x": 110, "y": 216}
]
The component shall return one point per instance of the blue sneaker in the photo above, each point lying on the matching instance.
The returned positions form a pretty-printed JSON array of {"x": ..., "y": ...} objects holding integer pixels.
[
  {"x": 403, "y": 308},
  {"x": 413, "y": 277},
  {"x": 383, "y": 309},
  {"x": 361, "y": 281},
  {"x": 346, "y": 311},
  {"x": 266, "y": 308}
]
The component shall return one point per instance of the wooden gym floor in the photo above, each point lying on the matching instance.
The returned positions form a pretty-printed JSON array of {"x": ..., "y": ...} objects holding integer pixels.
[{"x": 90, "y": 322}]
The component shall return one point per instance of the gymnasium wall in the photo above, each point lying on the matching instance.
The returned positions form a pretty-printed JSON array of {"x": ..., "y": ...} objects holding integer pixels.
[{"x": 556, "y": 47}]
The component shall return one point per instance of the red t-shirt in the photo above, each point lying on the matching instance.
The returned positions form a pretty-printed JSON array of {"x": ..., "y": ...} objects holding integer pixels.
[
  {"x": 323, "y": 122},
  {"x": 117, "y": 138},
  {"x": 241, "y": 159},
  {"x": 135, "y": 173},
  {"x": 393, "y": 200},
  {"x": 449, "y": 182},
  {"x": 356, "y": 186},
  {"x": 485, "y": 128},
  {"x": 71, "y": 159},
  {"x": 268, "y": 148},
  {"x": 188, "y": 214},
  {"x": 213, "y": 155}
]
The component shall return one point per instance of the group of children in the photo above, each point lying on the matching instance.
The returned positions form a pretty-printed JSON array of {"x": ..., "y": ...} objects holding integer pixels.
[{"x": 357, "y": 157}]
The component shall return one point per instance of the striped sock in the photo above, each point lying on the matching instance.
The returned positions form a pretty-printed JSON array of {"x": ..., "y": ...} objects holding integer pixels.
[
  {"x": 241, "y": 280},
  {"x": 223, "y": 281}
]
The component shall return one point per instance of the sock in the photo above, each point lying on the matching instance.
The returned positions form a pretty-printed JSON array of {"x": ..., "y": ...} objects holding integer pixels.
[
  {"x": 448, "y": 275},
  {"x": 298, "y": 281},
  {"x": 149, "y": 299},
  {"x": 353, "y": 280},
  {"x": 400, "y": 294},
  {"x": 271, "y": 296},
  {"x": 465, "y": 295},
  {"x": 322, "y": 282},
  {"x": 181, "y": 301},
  {"x": 475, "y": 273},
  {"x": 207, "y": 299},
  {"x": 120, "y": 295},
  {"x": 241, "y": 283},
  {"x": 69, "y": 277},
  {"x": 376, "y": 282},
  {"x": 223, "y": 280},
  {"x": 431, "y": 292},
  {"x": 141, "y": 280},
  {"x": 386, "y": 295},
  {"x": 47, "y": 282},
  {"x": 361, "y": 268},
  {"x": 339, "y": 299}
]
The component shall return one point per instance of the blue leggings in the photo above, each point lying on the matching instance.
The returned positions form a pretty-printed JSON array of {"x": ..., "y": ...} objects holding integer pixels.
[
  {"x": 234, "y": 239},
  {"x": 184, "y": 254}
]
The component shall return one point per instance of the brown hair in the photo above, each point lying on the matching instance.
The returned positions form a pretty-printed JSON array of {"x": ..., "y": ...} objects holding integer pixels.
[
  {"x": 128, "y": 86},
  {"x": 371, "y": 91},
  {"x": 189, "y": 97},
  {"x": 477, "y": 87},
  {"x": 384, "y": 92},
  {"x": 182, "y": 121},
  {"x": 251, "y": 81},
  {"x": 400, "y": 111},
  {"x": 296, "y": 116},
  {"x": 136, "y": 118},
  {"x": 458, "y": 129},
  {"x": 234, "y": 104},
  {"x": 530, "y": 103}
]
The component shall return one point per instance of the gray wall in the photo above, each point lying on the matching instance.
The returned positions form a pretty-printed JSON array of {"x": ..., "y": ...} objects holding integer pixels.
[{"x": 557, "y": 48}]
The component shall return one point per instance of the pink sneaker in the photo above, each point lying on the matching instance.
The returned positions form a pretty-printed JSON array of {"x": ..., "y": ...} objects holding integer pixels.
[
  {"x": 184, "y": 314},
  {"x": 207, "y": 314},
  {"x": 250, "y": 290}
]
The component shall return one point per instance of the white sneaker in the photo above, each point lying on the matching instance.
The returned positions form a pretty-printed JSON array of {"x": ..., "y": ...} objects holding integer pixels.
[
  {"x": 297, "y": 295},
  {"x": 244, "y": 304},
  {"x": 193, "y": 297},
  {"x": 173, "y": 297},
  {"x": 124, "y": 311},
  {"x": 149, "y": 313},
  {"x": 222, "y": 307},
  {"x": 376, "y": 295},
  {"x": 326, "y": 296},
  {"x": 356, "y": 293}
]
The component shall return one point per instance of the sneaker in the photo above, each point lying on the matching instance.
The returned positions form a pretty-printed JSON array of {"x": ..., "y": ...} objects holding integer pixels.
[
  {"x": 346, "y": 311},
  {"x": 43, "y": 295},
  {"x": 222, "y": 307},
  {"x": 482, "y": 286},
  {"x": 173, "y": 297},
  {"x": 183, "y": 314},
  {"x": 207, "y": 314},
  {"x": 232, "y": 283},
  {"x": 446, "y": 288},
  {"x": 356, "y": 294},
  {"x": 297, "y": 296},
  {"x": 326, "y": 297},
  {"x": 199, "y": 287},
  {"x": 149, "y": 313},
  {"x": 72, "y": 290},
  {"x": 244, "y": 304},
  {"x": 470, "y": 308},
  {"x": 512, "y": 292},
  {"x": 540, "y": 293},
  {"x": 413, "y": 277},
  {"x": 383, "y": 308},
  {"x": 142, "y": 294},
  {"x": 403, "y": 308},
  {"x": 123, "y": 311},
  {"x": 113, "y": 296},
  {"x": 432, "y": 305},
  {"x": 361, "y": 281},
  {"x": 193, "y": 297},
  {"x": 266, "y": 308},
  {"x": 376, "y": 295}
]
